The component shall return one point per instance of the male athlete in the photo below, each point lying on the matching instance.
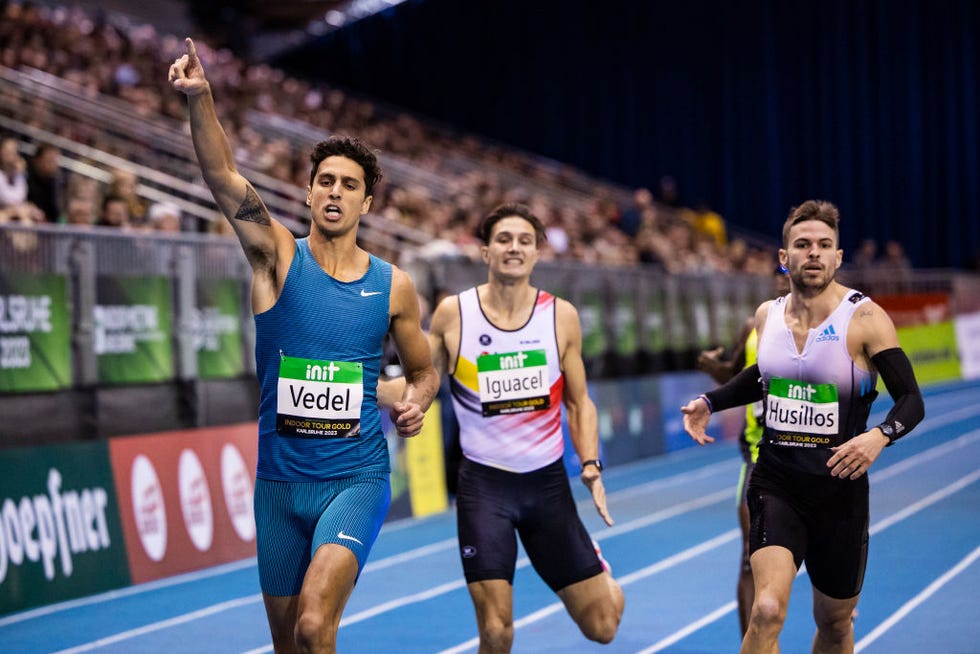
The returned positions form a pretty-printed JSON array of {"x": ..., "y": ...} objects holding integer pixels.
[
  {"x": 821, "y": 349},
  {"x": 322, "y": 309}
]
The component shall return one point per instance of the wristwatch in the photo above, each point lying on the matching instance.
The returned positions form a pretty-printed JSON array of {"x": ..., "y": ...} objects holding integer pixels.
[{"x": 593, "y": 462}]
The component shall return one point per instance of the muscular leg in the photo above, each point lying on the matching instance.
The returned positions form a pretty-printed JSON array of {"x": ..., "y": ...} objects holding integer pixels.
[
  {"x": 773, "y": 571},
  {"x": 835, "y": 624},
  {"x": 596, "y": 605},
  {"x": 281, "y": 612},
  {"x": 745, "y": 588},
  {"x": 494, "y": 603},
  {"x": 326, "y": 588}
]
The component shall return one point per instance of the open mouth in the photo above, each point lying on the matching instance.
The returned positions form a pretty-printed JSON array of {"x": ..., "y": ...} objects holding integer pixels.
[{"x": 333, "y": 211}]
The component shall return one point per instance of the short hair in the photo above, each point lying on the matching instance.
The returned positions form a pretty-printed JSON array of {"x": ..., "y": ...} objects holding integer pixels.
[
  {"x": 508, "y": 211},
  {"x": 353, "y": 149},
  {"x": 820, "y": 210}
]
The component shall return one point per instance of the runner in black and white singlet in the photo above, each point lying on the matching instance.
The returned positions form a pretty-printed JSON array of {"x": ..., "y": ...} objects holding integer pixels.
[
  {"x": 514, "y": 356},
  {"x": 821, "y": 349}
]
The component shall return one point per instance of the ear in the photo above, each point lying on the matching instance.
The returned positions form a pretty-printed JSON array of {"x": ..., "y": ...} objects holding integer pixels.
[
  {"x": 309, "y": 196},
  {"x": 783, "y": 258},
  {"x": 366, "y": 204},
  {"x": 840, "y": 258},
  {"x": 485, "y": 253}
]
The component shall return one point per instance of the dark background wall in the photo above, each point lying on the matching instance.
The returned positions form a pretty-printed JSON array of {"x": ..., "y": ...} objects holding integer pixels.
[{"x": 752, "y": 106}]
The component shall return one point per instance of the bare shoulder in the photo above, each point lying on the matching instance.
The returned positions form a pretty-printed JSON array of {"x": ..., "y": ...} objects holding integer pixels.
[
  {"x": 565, "y": 311},
  {"x": 446, "y": 313},
  {"x": 871, "y": 329}
]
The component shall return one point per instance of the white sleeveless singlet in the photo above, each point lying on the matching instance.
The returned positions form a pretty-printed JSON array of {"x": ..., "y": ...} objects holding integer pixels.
[{"x": 507, "y": 388}]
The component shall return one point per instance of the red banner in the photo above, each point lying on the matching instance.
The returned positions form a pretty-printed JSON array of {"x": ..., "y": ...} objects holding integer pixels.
[
  {"x": 911, "y": 309},
  {"x": 185, "y": 498}
]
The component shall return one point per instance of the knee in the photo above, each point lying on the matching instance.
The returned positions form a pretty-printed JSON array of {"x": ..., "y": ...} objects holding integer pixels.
[
  {"x": 602, "y": 620},
  {"x": 603, "y": 628},
  {"x": 835, "y": 629},
  {"x": 768, "y": 612},
  {"x": 314, "y": 633},
  {"x": 497, "y": 636}
]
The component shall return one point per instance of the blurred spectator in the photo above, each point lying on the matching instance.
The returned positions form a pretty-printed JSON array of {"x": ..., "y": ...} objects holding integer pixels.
[
  {"x": 115, "y": 212},
  {"x": 632, "y": 217},
  {"x": 709, "y": 223},
  {"x": 45, "y": 182},
  {"x": 124, "y": 185},
  {"x": 864, "y": 257},
  {"x": 164, "y": 217},
  {"x": 13, "y": 174},
  {"x": 894, "y": 258}
]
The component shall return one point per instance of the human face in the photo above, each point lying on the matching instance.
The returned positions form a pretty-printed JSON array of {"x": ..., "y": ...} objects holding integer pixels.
[
  {"x": 513, "y": 248},
  {"x": 337, "y": 198},
  {"x": 812, "y": 256}
]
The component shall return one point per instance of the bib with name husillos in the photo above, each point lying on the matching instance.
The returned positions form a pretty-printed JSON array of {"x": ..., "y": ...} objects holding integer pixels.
[
  {"x": 319, "y": 399},
  {"x": 801, "y": 414},
  {"x": 513, "y": 382}
]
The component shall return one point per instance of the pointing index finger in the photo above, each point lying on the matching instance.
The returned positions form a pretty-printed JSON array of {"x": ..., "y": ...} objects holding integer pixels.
[{"x": 191, "y": 50}]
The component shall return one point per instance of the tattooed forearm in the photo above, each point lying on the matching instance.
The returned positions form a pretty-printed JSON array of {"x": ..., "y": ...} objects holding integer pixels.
[{"x": 252, "y": 209}]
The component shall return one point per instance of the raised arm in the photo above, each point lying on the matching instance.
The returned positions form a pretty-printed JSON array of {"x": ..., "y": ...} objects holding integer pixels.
[
  {"x": 263, "y": 239},
  {"x": 583, "y": 426},
  {"x": 421, "y": 381}
]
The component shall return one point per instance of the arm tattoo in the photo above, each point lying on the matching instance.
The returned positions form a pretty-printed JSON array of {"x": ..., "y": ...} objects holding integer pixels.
[{"x": 252, "y": 209}]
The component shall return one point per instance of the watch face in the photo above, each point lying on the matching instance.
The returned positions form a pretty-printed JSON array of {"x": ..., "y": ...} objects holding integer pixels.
[{"x": 887, "y": 430}]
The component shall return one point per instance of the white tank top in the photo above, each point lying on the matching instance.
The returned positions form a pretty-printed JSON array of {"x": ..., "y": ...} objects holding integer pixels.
[
  {"x": 507, "y": 388},
  {"x": 816, "y": 398}
]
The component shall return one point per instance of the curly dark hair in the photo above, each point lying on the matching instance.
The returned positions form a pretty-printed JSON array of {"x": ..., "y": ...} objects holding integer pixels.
[{"x": 353, "y": 149}]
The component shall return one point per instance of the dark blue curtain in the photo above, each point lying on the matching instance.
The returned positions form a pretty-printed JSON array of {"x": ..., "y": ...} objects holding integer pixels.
[{"x": 753, "y": 106}]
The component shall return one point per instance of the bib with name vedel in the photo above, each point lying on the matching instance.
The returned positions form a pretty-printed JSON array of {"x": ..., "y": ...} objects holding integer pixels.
[{"x": 319, "y": 399}]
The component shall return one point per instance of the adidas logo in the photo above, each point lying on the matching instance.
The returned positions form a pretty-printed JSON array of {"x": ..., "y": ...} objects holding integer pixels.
[{"x": 828, "y": 334}]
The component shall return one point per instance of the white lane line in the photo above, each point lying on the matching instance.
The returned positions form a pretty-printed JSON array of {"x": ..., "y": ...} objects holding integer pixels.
[
  {"x": 714, "y": 616},
  {"x": 626, "y": 580},
  {"x": 128, "y": 591},
  {"x": 157, "y": 626},
  {"x": 909, "y": 606}
]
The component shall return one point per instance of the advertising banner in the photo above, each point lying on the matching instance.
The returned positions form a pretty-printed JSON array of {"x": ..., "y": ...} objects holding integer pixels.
[
  {"x": 133, "y": 329},
  {"x": 967, "y": 327},
  {"x": 932, "y": 351},
  {"x": 426, "y": 467},
  {"x": 60, "y": 535},
  {"x": 185, "y": 498},
  {"x": 218, "y": 329},
  {"x": 35, "y": 353}
]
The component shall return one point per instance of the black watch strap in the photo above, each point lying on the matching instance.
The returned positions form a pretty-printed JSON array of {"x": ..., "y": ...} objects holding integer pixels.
[{"x": 593, "y": 462}]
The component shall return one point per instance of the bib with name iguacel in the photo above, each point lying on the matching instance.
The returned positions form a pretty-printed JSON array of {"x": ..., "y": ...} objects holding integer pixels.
[
  {"x": 319, "y": 399},
  {"x": 513, "y": 382},
  {"x": 801, "y": 414}
]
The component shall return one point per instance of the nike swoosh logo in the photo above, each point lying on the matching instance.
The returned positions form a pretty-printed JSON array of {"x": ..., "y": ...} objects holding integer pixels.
[
  {"x": 369, "y": 293},
  {"x": 344, "y": 536}
]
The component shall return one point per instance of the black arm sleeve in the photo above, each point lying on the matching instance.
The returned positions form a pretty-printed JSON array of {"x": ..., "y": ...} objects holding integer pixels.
[
  {"x": 896, "y": 372},
  {"x": 743, "y": 388}
]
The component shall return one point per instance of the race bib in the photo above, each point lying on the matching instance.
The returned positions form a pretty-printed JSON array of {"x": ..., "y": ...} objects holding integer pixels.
[
  {"x": 319, "y": 399},
  {"x": 800, "y": 414},
  {"x": 513, "y": 382}
]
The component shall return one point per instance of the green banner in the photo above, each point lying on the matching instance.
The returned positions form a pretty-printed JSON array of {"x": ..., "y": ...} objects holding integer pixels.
[
  {"x": 61, "y": 535},
  {"x": 624, "y": 324},
  {"x": 133, "y": 330},
  {"x": 34, "y": 333},
  {"x": 590, "y": 309},
  {"x": 932, "y": 350},
  {"x": 218, "y": 329}
]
